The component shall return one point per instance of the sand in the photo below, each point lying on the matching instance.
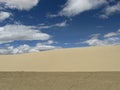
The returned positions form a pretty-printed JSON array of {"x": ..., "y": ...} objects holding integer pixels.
[
  {"x": 105, "y": 58},
  {"x": 60, "y": 81},
  {"x": 92, "y": 68}
]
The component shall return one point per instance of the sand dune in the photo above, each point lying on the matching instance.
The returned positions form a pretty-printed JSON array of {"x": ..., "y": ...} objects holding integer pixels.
[{"x": 106, "y": 58}]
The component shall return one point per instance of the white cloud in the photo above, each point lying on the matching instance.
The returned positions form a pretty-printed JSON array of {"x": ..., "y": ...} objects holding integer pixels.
[
  {"x": 110, "y": 10},
  {"x": 19, "y": 4},
  {"x": 106, "y": 41},
  {"x": 112, "y": 34},
  {"x": 49, "y": 42},
  {"x": 40, "y": 47},
  {"x": 49, "y": 15},
  {"x": 10, "y": 33},
  {"x": 26, "y": 49},
  {"x": 61, "y": 24},
  {"x": 4, "y": 15},
  {"x": 112, "y": 38},
  {"x": 75, "y": 7}
]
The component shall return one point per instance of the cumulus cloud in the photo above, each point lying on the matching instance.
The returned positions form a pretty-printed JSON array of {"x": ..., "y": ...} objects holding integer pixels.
[
  {"x": 4, "y": 15},
  {"x": 112, "y": 38},
  {"x": 10, "y": 33},
  {"x": 26, "y": 49},
  {"x": 110, "y": 10},
  {"x": 20, "y": 4},
  {"x": 75, "y": 7}
]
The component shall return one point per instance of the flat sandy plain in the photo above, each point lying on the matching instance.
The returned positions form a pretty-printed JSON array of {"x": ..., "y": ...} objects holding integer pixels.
[
  {"x": 59, "y": 81},
  {"x": 92, "y": 68}
]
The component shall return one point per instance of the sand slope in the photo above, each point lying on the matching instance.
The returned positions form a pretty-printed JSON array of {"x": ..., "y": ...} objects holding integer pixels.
[{"x": 105, "y": 58}]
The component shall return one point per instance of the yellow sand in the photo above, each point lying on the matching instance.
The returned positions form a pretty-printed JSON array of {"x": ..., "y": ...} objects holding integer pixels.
[{"x": 106, "y": 58}]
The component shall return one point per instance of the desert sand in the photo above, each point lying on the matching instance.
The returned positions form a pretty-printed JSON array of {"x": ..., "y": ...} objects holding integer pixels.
[
  {"x": 92, "y": 68},
  {"x": 105, "y": 58},
  {"x": 59, "y": 81}
]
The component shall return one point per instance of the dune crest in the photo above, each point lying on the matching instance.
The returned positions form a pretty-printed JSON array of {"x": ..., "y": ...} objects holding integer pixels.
[{"x": 106, "y": 58}]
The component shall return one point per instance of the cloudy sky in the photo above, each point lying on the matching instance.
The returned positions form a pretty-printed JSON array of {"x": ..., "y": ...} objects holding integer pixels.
[{"x": 38, "y": 25}]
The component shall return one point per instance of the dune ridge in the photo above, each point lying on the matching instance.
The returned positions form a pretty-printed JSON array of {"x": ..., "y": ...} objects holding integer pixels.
[{"x": 105, "y": 58}]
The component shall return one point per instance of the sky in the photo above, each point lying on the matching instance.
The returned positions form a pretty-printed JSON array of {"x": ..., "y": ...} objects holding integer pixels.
[{"x": 38, "y": 25}]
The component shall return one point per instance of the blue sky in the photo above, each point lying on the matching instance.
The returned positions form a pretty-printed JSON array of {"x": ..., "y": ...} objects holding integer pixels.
[{"x": 37, "y": 25}]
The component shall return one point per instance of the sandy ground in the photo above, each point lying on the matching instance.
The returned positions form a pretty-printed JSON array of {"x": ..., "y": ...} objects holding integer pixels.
[
  {"x": 60, "y": 81},
  {"x": 106, "y": 58}
]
